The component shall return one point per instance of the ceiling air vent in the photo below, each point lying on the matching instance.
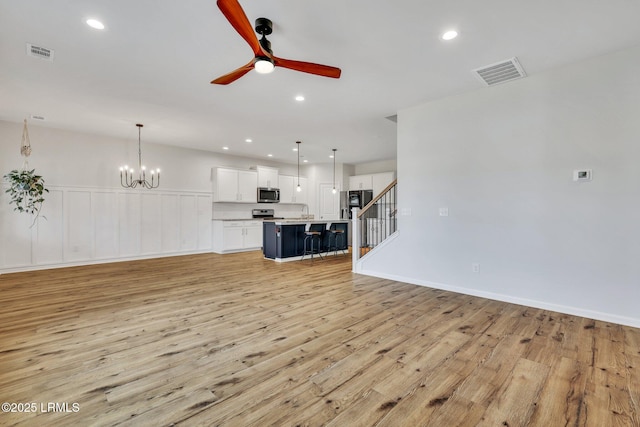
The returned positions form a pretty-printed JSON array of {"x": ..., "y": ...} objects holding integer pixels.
[
  {"x": 39, "y": 52},
  {"x": 500, "y": 72}
]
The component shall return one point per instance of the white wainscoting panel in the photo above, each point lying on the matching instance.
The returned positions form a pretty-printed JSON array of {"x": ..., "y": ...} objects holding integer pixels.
[
  {"x": 188, "y": 223},
  {"x": 86, "y": 225},
  {"x": 129, "y": 215},
  {"x": 170, "y": 213},
  {"x": 204, "y": 222},
  {"x": 79, "y": 230},
  {"x": 105, "y": 224},
  {"x": 15, "y": 244},
  {"x": 150, "y": 235},
  {"x": 49, "y": 230}
]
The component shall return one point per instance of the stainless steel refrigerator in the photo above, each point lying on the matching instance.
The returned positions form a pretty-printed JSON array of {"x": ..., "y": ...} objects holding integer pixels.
[{"x": 355, "y": 199}]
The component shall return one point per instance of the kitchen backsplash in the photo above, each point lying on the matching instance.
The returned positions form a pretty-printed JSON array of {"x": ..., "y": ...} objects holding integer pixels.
[{"x": 243, "y": 210}]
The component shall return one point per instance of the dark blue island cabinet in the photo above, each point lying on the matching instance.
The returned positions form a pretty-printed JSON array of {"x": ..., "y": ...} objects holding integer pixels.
[{"x": 283, "y": 240}]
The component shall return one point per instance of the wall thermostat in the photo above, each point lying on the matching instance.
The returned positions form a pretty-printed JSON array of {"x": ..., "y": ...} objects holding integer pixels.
[{"x": 582, "y": 175}]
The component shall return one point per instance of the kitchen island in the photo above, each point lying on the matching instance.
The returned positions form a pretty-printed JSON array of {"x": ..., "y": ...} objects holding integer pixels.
[{"x": 283, "y": 239}]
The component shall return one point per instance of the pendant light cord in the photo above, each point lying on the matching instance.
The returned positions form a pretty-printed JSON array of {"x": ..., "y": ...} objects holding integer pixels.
[{"x": 298, "y": 142}]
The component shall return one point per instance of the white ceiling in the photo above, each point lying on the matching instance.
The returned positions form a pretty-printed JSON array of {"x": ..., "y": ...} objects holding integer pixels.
[{"x": 154, "y": 61}]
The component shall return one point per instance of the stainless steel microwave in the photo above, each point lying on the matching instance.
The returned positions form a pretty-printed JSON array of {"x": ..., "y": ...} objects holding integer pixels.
[{"x": 268, "y": 195}]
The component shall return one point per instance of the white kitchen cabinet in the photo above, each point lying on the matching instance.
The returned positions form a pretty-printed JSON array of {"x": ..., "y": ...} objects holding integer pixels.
[
  {"x": 232, "y": 239},
  {"x": 288, "y": 186},
  {"x": 376, "y": 182},
  {"x": 253, "y": 237},
  {"x": 360, "y": 182},
  {"x": 236, "y": 236},
  {"x": 267, "y": 177},
  {"x": 234, "y": 185},
  {"x": 247, "y": 186}
]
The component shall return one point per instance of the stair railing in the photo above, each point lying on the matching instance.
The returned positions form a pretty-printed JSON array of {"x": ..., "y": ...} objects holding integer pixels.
[{"x": 375, "y": 222}]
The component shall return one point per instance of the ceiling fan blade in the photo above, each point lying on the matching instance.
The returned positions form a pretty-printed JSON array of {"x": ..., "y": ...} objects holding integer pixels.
[
  {"x": 234, "y": 13},
  {"x": 308, "y": 67},
  {"x": 234, "y": 75}
]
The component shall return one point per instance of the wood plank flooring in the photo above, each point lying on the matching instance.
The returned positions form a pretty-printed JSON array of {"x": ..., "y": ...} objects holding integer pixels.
[{"x": 235, "y": 340}]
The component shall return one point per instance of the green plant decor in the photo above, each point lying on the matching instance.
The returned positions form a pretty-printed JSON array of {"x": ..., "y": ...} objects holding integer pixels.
[{"x": 27, "y": 191}]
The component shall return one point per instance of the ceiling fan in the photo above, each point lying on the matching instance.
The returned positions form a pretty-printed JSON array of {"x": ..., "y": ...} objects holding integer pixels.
[{"x": 264, "y": 61}]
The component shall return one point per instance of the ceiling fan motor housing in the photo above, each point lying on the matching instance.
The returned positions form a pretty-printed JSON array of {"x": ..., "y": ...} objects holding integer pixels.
[{"x": 264, "y": 26}]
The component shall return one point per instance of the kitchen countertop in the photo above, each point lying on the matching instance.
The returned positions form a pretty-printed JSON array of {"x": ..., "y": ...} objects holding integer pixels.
[
  {"x": 289, "y": 221},
  {"x": 298, "y": 221},
  {"x": 237, "y": 219}
]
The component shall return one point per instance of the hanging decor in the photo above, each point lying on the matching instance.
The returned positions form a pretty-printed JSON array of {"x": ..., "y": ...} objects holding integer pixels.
[
  {"x": 25, "y": 145},
  {"x": 126, "y": 173},
  {"x": 298, "y": 188},
  {"x": 26, "y": 189},
  {"x": 334, "y": 170}
]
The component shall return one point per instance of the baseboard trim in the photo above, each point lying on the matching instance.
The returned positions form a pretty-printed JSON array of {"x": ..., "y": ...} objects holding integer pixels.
[
  {"x": 27, "y": 268},
  {"x": 575, "y": 311}
]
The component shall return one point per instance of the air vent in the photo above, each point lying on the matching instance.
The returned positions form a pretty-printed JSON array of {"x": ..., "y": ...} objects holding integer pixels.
[
  {"x": 35, "y": 117},
  {"x": 500, "y": 72},
  {"x": 393, "y": 118},
  {"x": 39, "y": 52}
]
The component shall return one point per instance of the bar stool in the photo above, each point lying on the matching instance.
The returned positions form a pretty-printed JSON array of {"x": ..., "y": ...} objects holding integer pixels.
[
  {"x": 311, "y": 235},
  {"x": 336, "y": 234}
]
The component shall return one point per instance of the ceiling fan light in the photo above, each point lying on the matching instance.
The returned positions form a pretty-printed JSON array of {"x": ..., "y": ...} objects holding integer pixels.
[
  {"x": 450, "y": 35},
  {"x": 263, "y": 66}
]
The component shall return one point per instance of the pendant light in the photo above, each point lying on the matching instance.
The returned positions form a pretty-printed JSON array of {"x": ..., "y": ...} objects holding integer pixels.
[
  {"x": 126, "y": 173},
  {"x": 334, "y": 170},
  {"x": 298, "y": 188}
]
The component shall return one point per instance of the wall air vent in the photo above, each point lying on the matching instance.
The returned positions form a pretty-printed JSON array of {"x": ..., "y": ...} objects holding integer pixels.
[
  {"x": 39, "y": 52},
  {"x": 500, "y": 72}
]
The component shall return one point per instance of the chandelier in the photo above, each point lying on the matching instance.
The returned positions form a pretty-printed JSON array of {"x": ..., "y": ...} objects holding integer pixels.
[{"x": 126, "y": 173}]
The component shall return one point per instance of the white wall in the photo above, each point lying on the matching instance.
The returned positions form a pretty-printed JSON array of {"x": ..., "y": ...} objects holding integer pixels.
[
  {"x": 89, "y": 217},
  {"x": 501, "y": 160}
]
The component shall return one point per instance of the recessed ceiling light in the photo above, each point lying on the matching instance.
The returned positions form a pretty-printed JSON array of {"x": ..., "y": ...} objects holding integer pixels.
[
  {"x": 331, "y": 156},
  {"x": 299, "y": 98},
  {"x": 305, "y": 161},
  {"x": 225, "y": 148},
  {"x": 269, "y": 155},
  {"x": 450, "y": 35},
  {"x": 248, "y": 140},
  {"x": 94, "y": 23},
  {"x": 295, "y": 149}
]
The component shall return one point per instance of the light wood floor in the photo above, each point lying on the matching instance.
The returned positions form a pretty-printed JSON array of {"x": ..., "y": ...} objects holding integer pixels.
[{"x": 237, "y": 340}]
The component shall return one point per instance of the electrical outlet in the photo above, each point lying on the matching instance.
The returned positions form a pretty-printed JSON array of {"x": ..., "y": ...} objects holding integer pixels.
[
  {"x": 475, "y": 267},
  {"x": 444, "y": 211}
]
